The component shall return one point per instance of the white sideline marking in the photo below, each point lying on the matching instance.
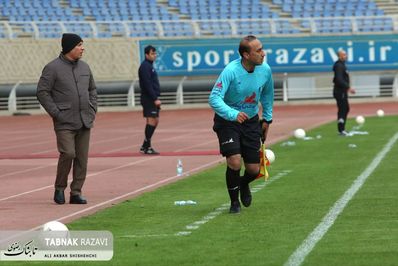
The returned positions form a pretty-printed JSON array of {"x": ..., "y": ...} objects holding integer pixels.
[
  {"x": 28, "y": 170},
  {"x": 197, "y": 145},
  {"x": 132, "y": 192},
  {"x": 26, "y": 192},
  {"x": 196, "y": 225},
  {"x": 24, "y": 145},
  {"x": 138, "y": 145},
  {"x": 92, "y": 143},
  {"x": 51, "y": 186},
  {"x": 312, "y": 239}
]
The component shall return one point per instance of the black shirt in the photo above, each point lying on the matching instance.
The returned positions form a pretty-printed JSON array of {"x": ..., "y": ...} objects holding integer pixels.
[
  {"x": 341, "y": 78},
  {"x": 149, "y": 82}
]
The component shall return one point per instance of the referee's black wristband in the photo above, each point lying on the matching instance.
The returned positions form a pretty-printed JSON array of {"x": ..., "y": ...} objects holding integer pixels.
[{"x": 265, "y": 121}]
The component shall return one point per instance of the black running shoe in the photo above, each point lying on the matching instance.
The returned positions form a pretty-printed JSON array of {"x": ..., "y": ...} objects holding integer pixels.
[
  {"x": 143, "y": 150},
  {"x": 245, "y": 195},
  {"x": 235, "y": 207},
  {"x": 151, "y": 151}
]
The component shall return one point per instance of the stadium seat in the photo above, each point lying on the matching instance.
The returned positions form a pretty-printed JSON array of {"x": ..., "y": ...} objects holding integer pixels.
[{"x": 141, "y": 12}]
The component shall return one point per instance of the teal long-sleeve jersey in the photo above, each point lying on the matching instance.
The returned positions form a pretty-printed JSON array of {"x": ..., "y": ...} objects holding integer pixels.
[{"x": 236, "y": 90}]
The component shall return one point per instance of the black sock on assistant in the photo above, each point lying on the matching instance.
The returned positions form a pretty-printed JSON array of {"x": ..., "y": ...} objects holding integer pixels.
[
  {"x": 341, "y": 125},
  {"x": 233, "y": 182},
  {"x": 247, "y": 178},
  {"x": 149, "y": 130}
]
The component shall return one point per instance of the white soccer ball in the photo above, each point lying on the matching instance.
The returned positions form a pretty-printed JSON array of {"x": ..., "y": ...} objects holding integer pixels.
[
  {"x": 270, "y": 155},
  {"x": 54, "y": 226},
  {"x": 380, "y": 113},
  {"x": 360, "y": 119},
  {"x": 299, "y": 133}
]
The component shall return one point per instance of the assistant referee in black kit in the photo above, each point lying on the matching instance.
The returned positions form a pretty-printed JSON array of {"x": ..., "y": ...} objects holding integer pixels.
[
  {"x": 341, "y": 89},
  {"x": 150, "y": 92}
]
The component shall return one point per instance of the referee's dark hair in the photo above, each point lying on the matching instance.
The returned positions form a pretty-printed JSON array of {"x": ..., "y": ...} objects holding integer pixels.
[
  {"x": 149, "y": 48},
  {"x": 244, "y": 44}
]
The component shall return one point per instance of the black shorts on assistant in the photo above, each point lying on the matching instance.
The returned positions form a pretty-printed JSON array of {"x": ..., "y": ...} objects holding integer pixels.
[
  {"x": 149, "y": 109},
  {"x": 235, "y": 138}
]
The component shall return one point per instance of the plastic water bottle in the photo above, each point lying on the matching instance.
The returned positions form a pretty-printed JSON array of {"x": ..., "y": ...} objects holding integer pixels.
[
  {"x": 180, "y": 202},
  {"x": 184, "y": 202},
  {"x": 179, "y": 167}
]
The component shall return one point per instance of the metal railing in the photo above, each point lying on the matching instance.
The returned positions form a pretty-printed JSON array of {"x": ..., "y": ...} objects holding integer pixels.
[
  {"x": 201, "y": 28},
  {"x": 180, "y": 97}
]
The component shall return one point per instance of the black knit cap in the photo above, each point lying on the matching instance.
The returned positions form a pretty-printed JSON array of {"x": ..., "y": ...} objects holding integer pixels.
[{"x": 69, "y": 41}]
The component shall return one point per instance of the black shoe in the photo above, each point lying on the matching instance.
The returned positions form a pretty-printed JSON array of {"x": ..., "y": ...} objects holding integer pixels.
[
  {"x": 59, "y": 196},
  {"x": 143, "y": 150},
  {"x": 151, "y": 151},
  {"x": 245, "y": 195},
  {"x": 235, "y": 207},
  {"x": 77, "y": 199}
]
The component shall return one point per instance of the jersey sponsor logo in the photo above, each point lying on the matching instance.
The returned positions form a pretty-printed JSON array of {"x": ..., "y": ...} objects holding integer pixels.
[
  {"x": 248, "y": 103},
  {"x": 251, "y": 98},
  {"x": 244, "y": 106}
]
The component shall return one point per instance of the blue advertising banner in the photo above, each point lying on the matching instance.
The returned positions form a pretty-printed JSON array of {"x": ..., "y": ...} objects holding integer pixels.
[{"x": 293, "y": 54}]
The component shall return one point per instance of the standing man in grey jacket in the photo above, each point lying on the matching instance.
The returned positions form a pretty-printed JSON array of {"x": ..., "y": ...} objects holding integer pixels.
[{"x": 67, "y": 92}]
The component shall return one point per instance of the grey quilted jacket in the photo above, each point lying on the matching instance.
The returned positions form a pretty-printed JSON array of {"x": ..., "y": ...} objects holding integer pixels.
[{"x": 68, "y": 93}]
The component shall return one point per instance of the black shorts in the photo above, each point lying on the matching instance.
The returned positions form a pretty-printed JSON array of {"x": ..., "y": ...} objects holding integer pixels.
[
  {"x": 149, "y": 109},
  {"x": 235, "y": 138}
]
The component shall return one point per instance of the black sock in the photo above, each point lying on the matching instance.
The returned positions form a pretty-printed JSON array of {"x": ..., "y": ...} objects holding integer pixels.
[
  {"x": 233, "y": 182},
  {"x": 149, "y": 130},
  {"x": 247, "y": 178},
  {"x": 341, "y": 125}
]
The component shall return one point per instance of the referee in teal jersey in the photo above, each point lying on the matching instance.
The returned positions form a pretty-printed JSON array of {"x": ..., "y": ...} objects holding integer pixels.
[{"x": 241, "y": 87}]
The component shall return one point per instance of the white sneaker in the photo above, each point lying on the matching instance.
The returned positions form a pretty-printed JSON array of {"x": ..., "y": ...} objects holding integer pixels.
[
  {"x": 344, "y": 133},
  {"x": 151, "y": 151}
]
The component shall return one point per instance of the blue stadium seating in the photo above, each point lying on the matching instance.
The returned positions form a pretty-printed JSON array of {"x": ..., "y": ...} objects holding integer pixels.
[
  {"x": 39, "y": 10},
  {"x": 135, "y": 18},
  {"x": 336, "y": 8},
  {"x": 329, "y": 8},
  {"x": 222, "y": 10}
]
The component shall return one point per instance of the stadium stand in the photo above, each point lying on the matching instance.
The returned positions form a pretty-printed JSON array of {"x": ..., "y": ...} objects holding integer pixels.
[
  {"x": 339, "y": 10},
  {"x": 103, "y": 20},
  {"x": 187, "y": 18}
]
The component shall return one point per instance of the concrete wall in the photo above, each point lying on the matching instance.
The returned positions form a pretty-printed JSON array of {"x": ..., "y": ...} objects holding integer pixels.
[{"x": 109, "y": 59}]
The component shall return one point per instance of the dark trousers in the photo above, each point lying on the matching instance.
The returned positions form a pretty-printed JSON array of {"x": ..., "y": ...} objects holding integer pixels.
[
  {"x": 73, "y": 148},
  {"x": 342, "y": 109}
]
